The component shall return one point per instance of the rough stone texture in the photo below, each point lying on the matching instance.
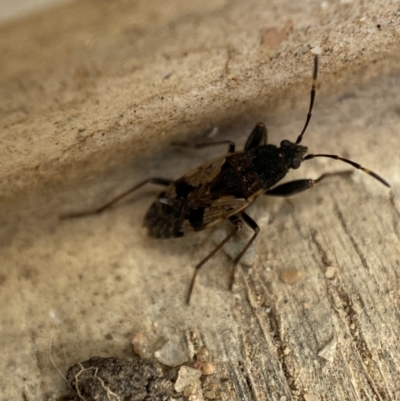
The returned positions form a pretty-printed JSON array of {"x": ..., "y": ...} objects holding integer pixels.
[
  {"x": 92, "y": 93},
  {"x": 85, "y": 82}
]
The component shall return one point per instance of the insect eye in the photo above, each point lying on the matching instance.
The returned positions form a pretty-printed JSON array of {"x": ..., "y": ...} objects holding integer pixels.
[
  {"x": 285, "y": 143},
  {"x": 296, "y": 164}
]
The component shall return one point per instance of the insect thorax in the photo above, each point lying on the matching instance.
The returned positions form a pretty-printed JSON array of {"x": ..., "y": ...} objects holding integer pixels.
[{"x": 259, "y": 168}]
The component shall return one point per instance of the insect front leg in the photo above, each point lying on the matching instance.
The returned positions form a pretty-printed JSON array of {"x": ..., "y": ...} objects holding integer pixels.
[
  {"x": 237, "y": 222},
  {"x": 253, "y": 225},
  {"x": 257, "y": 137},
  {"x": 294, "y": 187},
  {"x": 158, "y": 181},
  {"x": 231, "y": 144}
]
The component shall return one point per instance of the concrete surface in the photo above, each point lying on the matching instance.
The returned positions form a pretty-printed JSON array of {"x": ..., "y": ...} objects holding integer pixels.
[
  {"x": 91, "y": 96},
  {"x": 14, "y": 9}
]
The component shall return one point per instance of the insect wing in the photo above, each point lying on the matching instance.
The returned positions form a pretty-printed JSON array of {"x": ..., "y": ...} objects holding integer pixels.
[
  {"x": 189, "y": 205},
  {"x": 207, "y": 211}
]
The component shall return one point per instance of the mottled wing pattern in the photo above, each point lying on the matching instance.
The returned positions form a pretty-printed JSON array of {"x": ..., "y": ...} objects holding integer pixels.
[
  {"x": 188, "y": 205},
  {"x": 204, "y": 213}
]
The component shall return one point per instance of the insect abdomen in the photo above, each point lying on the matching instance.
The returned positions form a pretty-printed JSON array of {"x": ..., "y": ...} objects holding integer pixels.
[{"x": 162, "y": 220}]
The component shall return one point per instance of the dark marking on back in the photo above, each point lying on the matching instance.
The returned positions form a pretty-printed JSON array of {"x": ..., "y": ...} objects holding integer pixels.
[
  {"x": 245, "y": 173},
  {"x": 195, "y": 217},
  {"x": 227, "y": 182},
  {"x": 268, "y": 165},
  {"x": 183, "y": 189},
  {"x": 163, "y": 220}
]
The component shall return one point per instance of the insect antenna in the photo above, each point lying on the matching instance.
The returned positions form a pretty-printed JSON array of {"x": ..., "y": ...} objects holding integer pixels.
[
  {"x": 355, "y": 165},
  {"x": 312, "y": 97}
]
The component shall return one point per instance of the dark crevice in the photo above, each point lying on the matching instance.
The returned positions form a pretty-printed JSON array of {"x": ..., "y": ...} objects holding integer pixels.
[
  {"x": 280, "y": 352},
  {"x": 248, "y": 380},
  {"x": 321, "y": 250},
  {"x": 359, "y": 342},
  {"x": 237, "y": 385},
  {"x": 276, "y": 330},
  {"x": 281, "y": 372}
]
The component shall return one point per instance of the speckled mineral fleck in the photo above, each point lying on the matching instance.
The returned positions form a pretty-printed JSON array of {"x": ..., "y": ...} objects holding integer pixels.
[
  {"x": 187, "y": 377},
  {"x": 330, "y": 272},
  {"x": 290, "y": 276},
  {"x": 208, "y": 368},
  {"x": 141, "y": 346},
  {"x": 329, "y": 351},
  {"x": 172, "y": 353}
]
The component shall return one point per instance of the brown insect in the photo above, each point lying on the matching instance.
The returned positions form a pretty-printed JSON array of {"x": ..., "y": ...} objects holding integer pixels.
[{"x": 223, "y": 188}]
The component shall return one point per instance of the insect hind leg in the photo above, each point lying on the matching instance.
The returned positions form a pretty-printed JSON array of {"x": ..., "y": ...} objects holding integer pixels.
[
  {"x": 157, "y": 181},
  {"x": 237, "y": 222},
  {"x": 294, "y": 187},
  {"x": 253, "y": 225}
]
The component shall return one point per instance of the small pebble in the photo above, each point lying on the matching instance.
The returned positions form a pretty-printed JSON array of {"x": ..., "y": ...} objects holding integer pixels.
[
  {"x": 203, "y": 354},
  {"x": 188, "y": 378},
  {"x": 316, "y": 50},
  {"x": 172, "y": 353},
  {"x": 189, "y": 391},
  {"x": 329, "y": 351},
  {"x": 141, "y": 346},
  {"x": 330, "y": 272},
  {"x": 208, "y": 368}
]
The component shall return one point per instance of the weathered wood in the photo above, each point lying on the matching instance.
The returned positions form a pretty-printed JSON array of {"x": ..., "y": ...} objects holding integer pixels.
[{"x": 314, "y": 314}]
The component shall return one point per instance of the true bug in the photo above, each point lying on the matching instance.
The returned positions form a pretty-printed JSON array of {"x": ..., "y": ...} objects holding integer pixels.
[{"x": 223, "y": 188}]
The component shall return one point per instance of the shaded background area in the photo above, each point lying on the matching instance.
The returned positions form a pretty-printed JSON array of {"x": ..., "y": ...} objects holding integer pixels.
[
  {"x": 14, "y": 9},
  {"x": 91, "y": 97}
]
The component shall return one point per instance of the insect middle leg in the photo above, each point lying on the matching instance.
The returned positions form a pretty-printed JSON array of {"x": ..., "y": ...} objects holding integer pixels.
[
  {"x": 237, "y": 222},
  {"x": 158, "y": 181},
  {"x": 294, "y": 187}
]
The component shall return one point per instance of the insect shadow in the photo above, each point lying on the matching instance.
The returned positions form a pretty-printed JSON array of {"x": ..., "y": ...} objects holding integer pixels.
[{"x": 223, "y": 188}]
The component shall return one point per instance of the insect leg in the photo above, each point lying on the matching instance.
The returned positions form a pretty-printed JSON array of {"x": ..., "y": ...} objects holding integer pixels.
[
  {"x": 257, "y": 137},
  {"x": 294, "y": 187},
  {"x": 231, "y": 144},
  {"x": 158, "y": 181},
  {"x": 253, "y": 225},
  {"x": 237, "y": 222}
]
